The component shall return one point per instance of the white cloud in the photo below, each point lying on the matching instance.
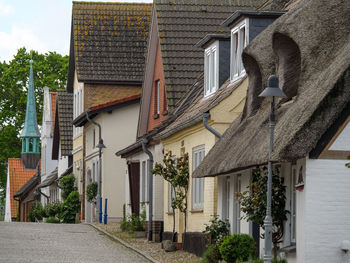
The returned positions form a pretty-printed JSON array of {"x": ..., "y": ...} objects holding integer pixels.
[
  {"x": 17, "y": 38},
  {"x": 6, "y": 9}
]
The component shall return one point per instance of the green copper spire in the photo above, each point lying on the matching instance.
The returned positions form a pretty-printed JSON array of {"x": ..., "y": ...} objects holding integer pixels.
[{"x": 30, "y": 134}]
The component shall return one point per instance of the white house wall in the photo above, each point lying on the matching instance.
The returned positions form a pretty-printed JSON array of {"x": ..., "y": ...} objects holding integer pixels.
[
  {"x": 326, "y": 212},
  {"x": 118, "y": 131}
]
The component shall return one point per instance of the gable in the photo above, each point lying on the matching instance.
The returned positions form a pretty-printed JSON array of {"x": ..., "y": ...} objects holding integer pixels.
[{"x": 109, "y": 41}]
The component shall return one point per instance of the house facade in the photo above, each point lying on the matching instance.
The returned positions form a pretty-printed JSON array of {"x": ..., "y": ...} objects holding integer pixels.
[
  {"x": 118, "y": 121},
  {"x": 48, "y": 165},
  {"x": 100, "y": 68},
  {"x": 173, "y": 65},
  {"x": 310, "y": 145}
]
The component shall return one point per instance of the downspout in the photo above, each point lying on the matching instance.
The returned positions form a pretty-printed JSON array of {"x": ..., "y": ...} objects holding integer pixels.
[
  {"x": 99, "y": 183},
  {"x": 144, "y": 141},
  {"x": 47, "y": 197},
  {"x": 209, "y": 128}
]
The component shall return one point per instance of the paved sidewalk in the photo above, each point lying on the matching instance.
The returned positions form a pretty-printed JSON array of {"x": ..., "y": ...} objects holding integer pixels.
[{"x": 32, "y": 242}]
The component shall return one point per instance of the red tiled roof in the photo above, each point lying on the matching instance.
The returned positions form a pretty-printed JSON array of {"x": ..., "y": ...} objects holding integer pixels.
[
  {"x": 18, "y": 177},
  {"x": 115, "y": 102},
  {"x": 53, "y": 107}
]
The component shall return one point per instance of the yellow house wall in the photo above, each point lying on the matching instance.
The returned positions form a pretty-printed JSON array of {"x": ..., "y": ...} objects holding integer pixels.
[{"x": 221, "y": 117}]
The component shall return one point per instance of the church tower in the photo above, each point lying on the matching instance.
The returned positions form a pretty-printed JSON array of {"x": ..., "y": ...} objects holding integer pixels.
[{"x": 30, "y": 134}]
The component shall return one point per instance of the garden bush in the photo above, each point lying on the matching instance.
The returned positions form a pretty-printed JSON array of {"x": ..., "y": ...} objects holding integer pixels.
[
  {"x": 91, "y": 192},
  {"x": 137, "y": 223},
  {"x": 53, "y": 209},
  {"x": 70, "y": 207},
  {"x": 237, "y": 247},
  {"x": 53, "y": 220},
  {"x": 67, "y": 185},
  {"x": 36, "y": 212},
  {"x": 212, "y": 254},
  {"x": 218, "y": 229}
]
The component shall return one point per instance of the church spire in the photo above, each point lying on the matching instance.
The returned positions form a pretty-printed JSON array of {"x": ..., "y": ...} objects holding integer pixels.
[{"x": 30, "y": 134}]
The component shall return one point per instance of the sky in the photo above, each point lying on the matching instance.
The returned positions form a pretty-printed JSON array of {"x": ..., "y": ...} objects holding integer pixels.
[{"x": 41, "y": 25}]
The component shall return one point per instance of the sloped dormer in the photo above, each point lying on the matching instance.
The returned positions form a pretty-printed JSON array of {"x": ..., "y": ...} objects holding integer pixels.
[
  {"x": 245, "y": 26},
  {"x": 216, "y": 61}
]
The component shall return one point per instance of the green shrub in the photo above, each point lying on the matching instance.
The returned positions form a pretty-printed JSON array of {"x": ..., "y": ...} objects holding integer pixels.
[
  {"x": 67, "y": 185},
  {"x": 91, "y": 192},
  {"x": 218, "y": 229},
  {"x": 212, "y": 254},
  {"x": 53, "y": 220},
  {"x": 137, "y": 223},
  {"x": 237, "y": 247},
  {"x": 125, "y": 224},
  {"x": 278, "y": 260},
  {"x": 53, "y": 209},
  {"x": 36, "y": 212},
  {"x": 70, "y": 207}
]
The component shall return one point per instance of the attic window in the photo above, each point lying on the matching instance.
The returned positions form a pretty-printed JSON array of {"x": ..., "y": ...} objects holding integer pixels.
[
  {"x": 156, "y": 99},
  {"x": 239, "y": 40},
  {"x": 211, "y": 69}
]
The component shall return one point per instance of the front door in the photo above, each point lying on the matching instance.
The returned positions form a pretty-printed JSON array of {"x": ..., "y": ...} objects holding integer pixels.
[{"x": 134, "y": 185}]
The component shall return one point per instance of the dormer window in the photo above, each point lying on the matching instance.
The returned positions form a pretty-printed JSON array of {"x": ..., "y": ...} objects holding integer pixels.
[
  {"x": 239, "y": 40},
  {"x": 211, "y": 69}
]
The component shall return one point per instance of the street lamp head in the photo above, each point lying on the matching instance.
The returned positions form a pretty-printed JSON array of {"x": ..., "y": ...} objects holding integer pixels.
[
  {"x": 272, "y": 89},
  {"x": 100, "y": 144}
]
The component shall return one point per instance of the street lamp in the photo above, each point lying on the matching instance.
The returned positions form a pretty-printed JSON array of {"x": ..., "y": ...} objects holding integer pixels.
[
  {"x": 100, "y": 146},
  {"x": 272, "y": 90}
]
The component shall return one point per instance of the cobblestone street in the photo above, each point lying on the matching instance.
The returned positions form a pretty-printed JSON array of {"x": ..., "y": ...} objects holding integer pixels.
[{"x": 32, "y": 242}]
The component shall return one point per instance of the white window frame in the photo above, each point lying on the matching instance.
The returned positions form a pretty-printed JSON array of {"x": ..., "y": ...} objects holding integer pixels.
[
  {"x": 293, "y": 200},
  {"x": 237, "y": 70},
  {"x": 211, "y": 69},
  {"x": 198, "y": 154}
]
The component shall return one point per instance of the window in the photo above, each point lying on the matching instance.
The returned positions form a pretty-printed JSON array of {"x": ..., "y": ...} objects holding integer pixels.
[
  {"x": 238, "y": 43},
  {"x": 211, "y": 69},
  {"x": 237, "y": 223},
  {"x": 144, "y": 182},
  {"x": 171, "y": 195},
  {"x": 293, "y": 200},
  {"x": 156, "y": 99},
  {"x": 197, "y": 183},
  {"x": 93, "y": 139}
]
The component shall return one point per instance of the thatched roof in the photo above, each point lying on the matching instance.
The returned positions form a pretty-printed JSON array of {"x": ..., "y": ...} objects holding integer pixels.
[{"x": 309, "y": 49}]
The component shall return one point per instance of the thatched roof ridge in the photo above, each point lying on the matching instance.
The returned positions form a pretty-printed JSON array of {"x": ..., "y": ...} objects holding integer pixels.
[{"x": 320, "y": 30}]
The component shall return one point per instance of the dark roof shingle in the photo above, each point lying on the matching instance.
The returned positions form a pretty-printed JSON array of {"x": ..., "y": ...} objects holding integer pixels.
[
  {"x": 110, "y": 40},
  {"x": 182, "y": 23},
  {"x": 65, "y": 117}
]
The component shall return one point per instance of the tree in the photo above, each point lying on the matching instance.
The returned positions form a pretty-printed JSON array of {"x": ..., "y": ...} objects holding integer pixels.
[
  {"x": 176, "y": 172},
  {"x": 51, "y": 70},
  {"x": 253, "y": 202}
]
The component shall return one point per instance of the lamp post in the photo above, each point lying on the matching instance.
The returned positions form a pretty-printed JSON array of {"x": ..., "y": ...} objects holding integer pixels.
[
  {"x": 272, "y": 90},
  {"x": 100, "y": 145}
]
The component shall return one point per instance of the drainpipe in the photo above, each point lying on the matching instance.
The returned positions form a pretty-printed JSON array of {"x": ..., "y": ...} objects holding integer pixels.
[
  {"x": 144, "y": 141},
  {"x": 209, "y": 128},
  {"x": 99, "y": 179}
]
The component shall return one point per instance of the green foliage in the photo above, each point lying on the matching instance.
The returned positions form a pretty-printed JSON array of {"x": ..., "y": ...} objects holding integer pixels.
[
  {"x": 50, "y": 69},
  {"x": 176, "y": 172},
  {"x": 253, "y": 202},
  {"x": 212, "y": 254},
  {"x": 91, "y": 192},
  {"x": 237, "y": 247},
  {"x": 53, "y": 209},
  {"x": 53, "y": 220},
  {"x": 218, "y": 229},
  {"x": 36, "y": 212},
  {"x": 137, "y": 223},
  {"x": 67, "y": 185},
  {"x": 125, "y": 224},
  {"x": 70, "y": 207}
]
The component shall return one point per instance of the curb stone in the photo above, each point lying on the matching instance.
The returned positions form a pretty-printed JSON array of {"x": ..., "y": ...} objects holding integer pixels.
[{"x": 146, "y": 256}]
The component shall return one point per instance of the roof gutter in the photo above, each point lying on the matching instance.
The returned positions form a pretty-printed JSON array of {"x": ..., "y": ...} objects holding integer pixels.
[
  {"x": 209, "y": 128},
  {"x": 144, "y": 141}
]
